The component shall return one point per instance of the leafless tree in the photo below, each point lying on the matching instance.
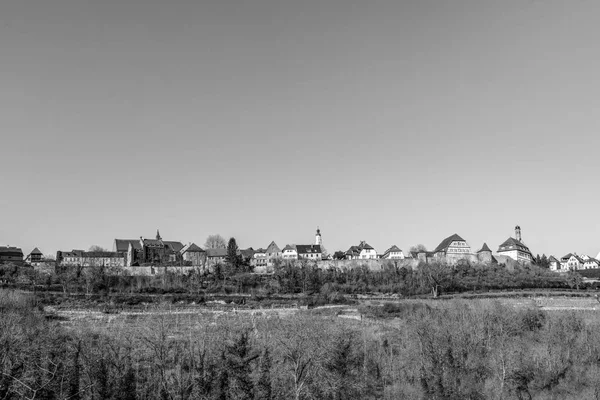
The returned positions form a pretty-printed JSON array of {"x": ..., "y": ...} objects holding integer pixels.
[{"x": 215, "y": 242}]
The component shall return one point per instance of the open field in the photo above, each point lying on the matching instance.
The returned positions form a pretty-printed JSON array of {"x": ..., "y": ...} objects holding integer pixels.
[{"x": 511, "y": 346}]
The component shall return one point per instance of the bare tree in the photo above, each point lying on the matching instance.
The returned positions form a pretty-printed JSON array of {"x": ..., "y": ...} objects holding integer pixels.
[
  {"x": 215, "y": 242},
  {"x": 97, "y": 248},
  {"x": 417, "y": 248}
]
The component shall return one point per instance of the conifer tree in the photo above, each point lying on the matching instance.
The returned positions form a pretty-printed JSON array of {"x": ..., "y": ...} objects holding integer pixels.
[
  {"x": 101, "y": 378},
  {"x": 239, "y": 358},
  {"x": 127, "y": 387},
  {"x": 74, "y": 375},
  {"x": 222, "y": 389},
  {"x": 233, "y": 258},
  {"x": 263, "y": 386}
]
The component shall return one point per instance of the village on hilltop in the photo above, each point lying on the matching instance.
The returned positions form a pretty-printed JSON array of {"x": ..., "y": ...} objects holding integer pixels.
[{"x": 144, "y": 256}]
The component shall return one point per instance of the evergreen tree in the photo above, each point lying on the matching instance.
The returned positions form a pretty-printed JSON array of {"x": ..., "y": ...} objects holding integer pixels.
[
  {"x": 74, "y": 375},
  {"x": 233, "y": 258},
  {"x": 127, "y": 387},
  {"x": 239, "y": 358},
  {"x": 222, "y": 389},
  {"x": 264, "y": 390},
  {"x": 102, "y": 380}
]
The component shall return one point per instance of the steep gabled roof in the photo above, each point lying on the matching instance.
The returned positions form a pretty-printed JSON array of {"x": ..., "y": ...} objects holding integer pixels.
[
  {"x": 365, "y": 246},
  {"x": 175, "y": 246},
  {"x": 308, "y": 248},
  {"x": 247, "y": 253},
  {"x": 273, "y": 248},
  {"x": 515, "y": 244},
  {"x": 447, "y": 242},
  {"x": 122, "y": 245},
  {"x": 36, "y": 251},
  {"x": 192, "y": 248},
  {"x": 484, "y": 248},
  {"x": 11, "y": 251},
  {"x": 393, "y": 249},
  {"x": 568, "y": 256},
  {"x": 552, "y": 259}
]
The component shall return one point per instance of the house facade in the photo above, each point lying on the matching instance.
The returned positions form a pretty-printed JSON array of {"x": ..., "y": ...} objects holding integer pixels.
[
  {"x": 361, "y": 252},
  {"x": 259, "y": 259},
  {"x": 453, "y": 249},
  {"x": 290, "y": 252},
  {"x": 515, "y": 248},
  {"x": 193, "y": 255},
  {"x": 274, "y": 253},
  {"x": 554, "y": 264},
  {"x": 35, "y": 258},
  {"x": 393, "y": 253},
  {"x": 215, "y": 256},
  {"x": 82, "y": 258},
  {"x": 571, "y": 262},
  {"x": 591, "y": 263},
  {"x": 9, "y": 254},
  {"x": 149, "y": 251},
  {"x": 309, "y": 252}
]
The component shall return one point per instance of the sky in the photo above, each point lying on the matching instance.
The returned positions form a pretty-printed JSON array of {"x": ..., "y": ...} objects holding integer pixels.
[{"x": 394, "y": 122}]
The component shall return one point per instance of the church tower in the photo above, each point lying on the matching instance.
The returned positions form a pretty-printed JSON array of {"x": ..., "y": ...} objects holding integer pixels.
[
  {"x": 158, "y": 235},
  {"x": 518, "y": 233},
  {"x": 318, "y": 240}
]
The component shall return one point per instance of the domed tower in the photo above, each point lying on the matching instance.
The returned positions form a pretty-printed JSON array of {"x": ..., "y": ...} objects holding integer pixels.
[
  {"x": 518, "y": 233},
  {"x": 318, "y": 239}
]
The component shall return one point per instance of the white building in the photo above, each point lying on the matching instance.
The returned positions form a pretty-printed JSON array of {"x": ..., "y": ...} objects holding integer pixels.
[
  {"x": 290, "y": 252},
  {"x": 515, "y": 248},
  {"x": 393, "y": 253},
  {"x": 361, "y": 252},
  {"x": 571, "y": 262}
]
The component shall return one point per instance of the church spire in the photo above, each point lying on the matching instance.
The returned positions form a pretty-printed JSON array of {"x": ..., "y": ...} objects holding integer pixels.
[
  {"x": 318, "y": 239},
  {"x": 158, "y": 235}
]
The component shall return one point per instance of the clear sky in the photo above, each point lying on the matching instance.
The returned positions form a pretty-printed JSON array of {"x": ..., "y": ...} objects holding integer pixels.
[{"x": 395, "y": 122}]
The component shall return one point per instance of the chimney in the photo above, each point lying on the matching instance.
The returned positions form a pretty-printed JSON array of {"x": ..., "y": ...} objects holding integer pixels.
[{"x": 518, "y": 233}]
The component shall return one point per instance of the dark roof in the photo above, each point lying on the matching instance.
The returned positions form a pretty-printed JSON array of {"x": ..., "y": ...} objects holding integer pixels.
[
  {"x": 72, "y": 253},
  {"x": 273, "y": 248},
  {"x": 154, "y": 243},
  {"x": 289, "y": 247},
  {"x": 573, "y": 255},
  {"x": 364, "y": 245},
  {"x": 101, "y": 254},
  {"x": 447, "y": 242},
  {"x": 216, "y": 252},
  {"x": 7, "y": 251},
  {"x": 247, "y": 253},
  {"x": 36, "y": 251},
  {"x": 122, "y": 245},
  {"x": 308, "y": 248},
  {"x": 512, "y": 242},
  {"x": 192, "y": 247},
  {"x": 175, "y": 246},
  {"x": 10, "y": 248},
  {"x": 552, "y": 258},
  {"x": 393, "y": 249},
  {"x": 485, "y": 248},
  {"x": 357, "y": 249}
]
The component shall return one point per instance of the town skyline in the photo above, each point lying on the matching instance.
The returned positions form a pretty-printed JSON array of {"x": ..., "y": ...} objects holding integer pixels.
[
  {"x": 243, "y": 244},
  {"x": 394, "y": 122}
]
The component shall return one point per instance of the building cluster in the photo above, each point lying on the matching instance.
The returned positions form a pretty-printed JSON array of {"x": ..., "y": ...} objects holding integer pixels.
[{"x": 153, "y": 252}]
